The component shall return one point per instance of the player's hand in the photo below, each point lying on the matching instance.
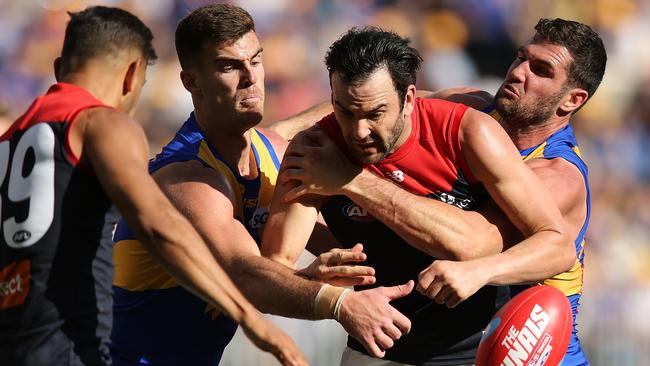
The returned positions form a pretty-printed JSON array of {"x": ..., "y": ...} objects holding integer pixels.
[
  {"x": 451, "y": 282},
  {"x": 370, "y": 319},
  {"x": 337, "y": 268},
  {"x": 317, "y": 163},
  {"x": 271, "y": 339}
]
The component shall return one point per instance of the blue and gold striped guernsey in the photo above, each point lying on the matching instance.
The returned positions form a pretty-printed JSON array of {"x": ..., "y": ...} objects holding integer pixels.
[
  {"x": 562, "y": 144},
  {"x": 156, "y": 321}
]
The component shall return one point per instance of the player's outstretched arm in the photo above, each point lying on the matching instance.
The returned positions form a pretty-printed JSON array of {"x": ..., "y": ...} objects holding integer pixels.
[
  {"x": 452, "y": 282},
  {"x": 288, "y": 128},
  {"x": 365, "y": 315},
  {"x": 470, "y": 96},
  {"x": 316, "y": 165},
  {"x": 114, "y": 146}
]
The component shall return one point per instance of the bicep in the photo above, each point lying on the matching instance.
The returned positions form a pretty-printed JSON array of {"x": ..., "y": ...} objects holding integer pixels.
[
  {"x": 205, "y": 199},
  {"x": 495, "y": 162}
]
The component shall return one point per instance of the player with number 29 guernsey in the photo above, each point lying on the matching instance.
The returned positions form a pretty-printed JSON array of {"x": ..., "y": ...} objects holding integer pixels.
[{"x": 55, "y": 243}]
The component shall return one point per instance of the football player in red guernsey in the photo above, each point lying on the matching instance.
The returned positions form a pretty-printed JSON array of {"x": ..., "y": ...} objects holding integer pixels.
[
  {"x": 425, "y": 150},
  {"x": 63, "y": 164}
]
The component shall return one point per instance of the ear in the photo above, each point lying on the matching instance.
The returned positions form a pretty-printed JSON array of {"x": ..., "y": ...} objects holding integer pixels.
[
  {"x": 57, "y": 68},
  {"x": 131, "y": 75},
  {"x": 189, "y": 80},
  {"x": 409, "y": 100},
  {"x": 573, "y": 100}
]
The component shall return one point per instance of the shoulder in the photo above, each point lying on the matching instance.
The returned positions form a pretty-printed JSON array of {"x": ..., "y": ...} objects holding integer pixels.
[
  {"x": 563, "y": 180},
  {"x": 475, "y": 121},
  {"x": 192, "y": 178},
  {"x": 106, "y": 133},
  {"x": 557, "y": 168},
  {"x": 278, "y": 143},
  {"x": 304, "y": 137},
  {"x": 107, "y": 121}
]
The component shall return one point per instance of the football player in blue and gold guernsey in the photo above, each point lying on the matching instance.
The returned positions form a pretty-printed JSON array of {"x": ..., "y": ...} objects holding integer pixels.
[
  {"x": 220, "y": 172},
  {"x": 552, "y": 77}
]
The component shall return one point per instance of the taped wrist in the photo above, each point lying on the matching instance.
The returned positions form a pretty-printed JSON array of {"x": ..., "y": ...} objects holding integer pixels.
[{"x": 326, "y": 301}]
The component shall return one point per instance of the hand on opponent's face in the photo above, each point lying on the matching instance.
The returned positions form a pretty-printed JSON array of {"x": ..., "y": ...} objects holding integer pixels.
[{"x": 317, "y": 164}]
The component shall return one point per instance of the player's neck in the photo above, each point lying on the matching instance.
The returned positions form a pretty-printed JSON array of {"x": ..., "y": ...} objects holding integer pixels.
[
  {"x": 526, "y": 136},
  {"x": 234, "y": 146},
  {"x": 102, "y": 86}
]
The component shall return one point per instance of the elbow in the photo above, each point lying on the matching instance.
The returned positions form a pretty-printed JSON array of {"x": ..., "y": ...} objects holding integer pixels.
[
  {"x": 477, "y": 244},
  {"x": 568, "y": 254},
  {"x": 285, "y": 260},
  {"x": 468, "y": 248},
  {"x": 565, "y": 251}
]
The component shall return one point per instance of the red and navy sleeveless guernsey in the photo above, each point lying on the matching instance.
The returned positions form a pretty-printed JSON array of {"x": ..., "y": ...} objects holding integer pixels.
[
  {"x": 55, "y": 241},
  {"x": 429, "y": 163},
  {"x": 563, "y": 145}
]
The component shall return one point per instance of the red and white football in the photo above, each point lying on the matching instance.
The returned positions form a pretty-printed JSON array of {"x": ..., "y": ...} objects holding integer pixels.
[{"x": 532, "y": 329}]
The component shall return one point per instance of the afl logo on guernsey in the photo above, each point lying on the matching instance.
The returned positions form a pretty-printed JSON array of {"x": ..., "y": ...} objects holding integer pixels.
[{"x": 355, "y": 212}]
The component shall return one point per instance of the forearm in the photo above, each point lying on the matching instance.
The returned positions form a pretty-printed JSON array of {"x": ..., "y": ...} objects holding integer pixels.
[
  {"x": 289, "y": 127},
  {"x": 439, "y": 229},
  {"x": 541, "y": 256},
  {"x": 182, "y": 252},
  {"x": 274, "y": 288}
]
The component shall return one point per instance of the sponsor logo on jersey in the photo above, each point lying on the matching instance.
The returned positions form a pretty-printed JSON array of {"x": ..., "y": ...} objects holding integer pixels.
[
  {"x": 397, "y": 176},
  {"x": 250, "y": 202},
  {"x": 449, "y": 198},
  {"x": 14, "y": 284},
  {"x": 529, "y": 345},
  {"x": 355, "y": 212},
  {"x": 259, "y": 218}
]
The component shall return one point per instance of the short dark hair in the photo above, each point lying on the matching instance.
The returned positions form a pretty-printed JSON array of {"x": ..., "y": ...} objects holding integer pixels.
[
  {"x": 585, "y": 46},
  {"x": 101, "y": 30},
  {"x": 221, "y": 24},
  {"x": 362, "y": 51}
]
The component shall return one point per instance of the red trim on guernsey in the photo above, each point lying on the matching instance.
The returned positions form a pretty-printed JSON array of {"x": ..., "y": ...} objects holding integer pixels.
[
  {"x": 61, "y": 104},
  {"x": 431, "y": 157}
]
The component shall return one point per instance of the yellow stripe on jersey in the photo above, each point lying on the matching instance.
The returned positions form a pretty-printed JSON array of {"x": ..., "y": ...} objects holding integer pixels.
[
  {"x": 136, "y": 270},
  {"x": 570, "y": 283},
  {"x": 208, "y": 157},
  {"x": 268, "y": 171},
  {"x": 537, "y": 153}
]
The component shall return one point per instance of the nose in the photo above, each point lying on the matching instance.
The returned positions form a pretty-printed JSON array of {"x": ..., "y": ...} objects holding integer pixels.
[
  {"x": 247, "y": 75},
  {"x": 518, "y": 71},
  {"x": 360, "y": 130}
]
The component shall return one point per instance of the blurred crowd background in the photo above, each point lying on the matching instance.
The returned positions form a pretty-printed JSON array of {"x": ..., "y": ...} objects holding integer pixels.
[{"x": 463, "y": 42}]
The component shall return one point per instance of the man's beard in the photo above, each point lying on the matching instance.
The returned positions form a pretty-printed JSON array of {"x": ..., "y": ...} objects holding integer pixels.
[
  {"x": 514, "y": 112},
  {"x": 388, "y": 145}
]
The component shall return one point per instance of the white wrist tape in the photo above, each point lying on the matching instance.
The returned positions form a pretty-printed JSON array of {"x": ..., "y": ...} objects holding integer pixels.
[{"x": 326, "y": 300}]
